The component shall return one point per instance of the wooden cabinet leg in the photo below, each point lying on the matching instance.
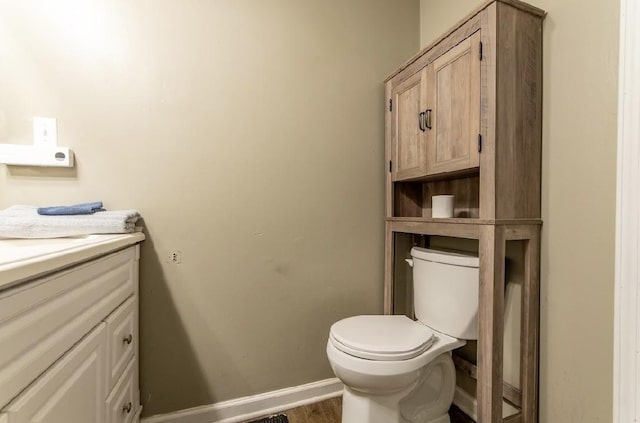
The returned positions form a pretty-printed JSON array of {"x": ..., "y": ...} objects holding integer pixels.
[
  {"x": 491, "y": 324},
  {"x": 530, "y": 333},
  {"x": 389, "y": 253}
]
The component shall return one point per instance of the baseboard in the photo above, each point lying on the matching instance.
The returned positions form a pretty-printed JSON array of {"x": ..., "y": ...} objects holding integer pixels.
[
  {"x": 469, "y": 405},
  {"x": 243, "y": 409}
]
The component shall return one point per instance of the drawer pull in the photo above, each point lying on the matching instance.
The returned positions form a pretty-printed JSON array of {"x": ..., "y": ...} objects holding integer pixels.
[
  {"x": 127, "y": 408},
  {"x": 128, "y": 339}
]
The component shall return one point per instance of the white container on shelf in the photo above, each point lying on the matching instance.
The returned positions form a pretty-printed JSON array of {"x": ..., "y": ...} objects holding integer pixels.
[{"x": 442, "y": 206}]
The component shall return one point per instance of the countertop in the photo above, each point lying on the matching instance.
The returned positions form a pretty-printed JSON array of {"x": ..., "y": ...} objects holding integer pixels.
[{"x": 25, "y": 259}]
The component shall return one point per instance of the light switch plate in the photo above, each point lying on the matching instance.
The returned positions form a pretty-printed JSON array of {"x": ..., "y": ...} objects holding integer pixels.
[{"x": 45, "y": 132}]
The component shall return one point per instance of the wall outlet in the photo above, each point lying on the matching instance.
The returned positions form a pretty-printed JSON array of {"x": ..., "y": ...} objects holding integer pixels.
[
  {"x": 175, "y": 257},
  {"x": 45, "y": 132}
]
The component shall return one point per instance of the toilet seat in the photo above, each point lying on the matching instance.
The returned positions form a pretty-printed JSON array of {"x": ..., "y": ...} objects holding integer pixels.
[{"x": 381, "y": 338}]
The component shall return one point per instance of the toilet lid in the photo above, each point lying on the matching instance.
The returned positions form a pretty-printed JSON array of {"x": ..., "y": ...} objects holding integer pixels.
[{"x": 383, "y": 338}]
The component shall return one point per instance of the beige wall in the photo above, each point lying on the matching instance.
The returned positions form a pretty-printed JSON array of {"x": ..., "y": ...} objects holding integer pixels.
[
  {"x": 250, "y": 136},
  {"x": 578, "y": 200}
]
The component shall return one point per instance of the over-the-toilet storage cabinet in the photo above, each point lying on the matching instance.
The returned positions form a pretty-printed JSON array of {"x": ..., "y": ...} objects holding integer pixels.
[
  {"x": 68, "y": 344},
  {"x": 464, "y": 117}
]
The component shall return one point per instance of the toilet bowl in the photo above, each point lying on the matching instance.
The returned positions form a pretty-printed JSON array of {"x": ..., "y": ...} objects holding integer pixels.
[
  {"x": 397, "y": 370},
  {"x": 384, "y": 384}
]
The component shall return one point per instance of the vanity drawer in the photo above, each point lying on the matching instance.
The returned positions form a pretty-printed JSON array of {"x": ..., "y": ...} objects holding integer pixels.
[
  {"x": 122, "y": 404},
  {"x": 41, "y": 319},
  {"x": 122, "y": 339}
]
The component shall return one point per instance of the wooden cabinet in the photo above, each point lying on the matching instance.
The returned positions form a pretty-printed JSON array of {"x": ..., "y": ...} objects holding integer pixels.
[
  {"x": 465, "y": 119},
  {"x": 436, "y": 115},
  {"x": 480, "y": 90},
  {"x": 70, "y": 344}
]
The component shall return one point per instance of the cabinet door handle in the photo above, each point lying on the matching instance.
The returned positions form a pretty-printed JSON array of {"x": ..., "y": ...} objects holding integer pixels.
[
  {"x": 427, "y": 118},
  {"x": 128, "y": 339},
  {"x": 127, "y": 408},
  {"x": 421, "y": 121}
]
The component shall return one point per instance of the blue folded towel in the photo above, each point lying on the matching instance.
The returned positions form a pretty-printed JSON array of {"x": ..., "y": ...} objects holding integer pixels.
[{"x": 84, "y": 208}]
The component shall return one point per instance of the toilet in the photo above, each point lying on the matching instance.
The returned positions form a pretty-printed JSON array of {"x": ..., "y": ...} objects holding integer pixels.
[{"x": 397, "y": 370}]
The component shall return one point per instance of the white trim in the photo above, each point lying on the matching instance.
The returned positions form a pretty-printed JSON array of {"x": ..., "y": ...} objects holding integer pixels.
[
  {"x": 243, "y": 409},
  {"x": 468, "y": 404},
  {"x": 626, "y": 373}
]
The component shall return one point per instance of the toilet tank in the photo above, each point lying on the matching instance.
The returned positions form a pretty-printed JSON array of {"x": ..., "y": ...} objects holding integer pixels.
[{"x": 445, "y": 291}]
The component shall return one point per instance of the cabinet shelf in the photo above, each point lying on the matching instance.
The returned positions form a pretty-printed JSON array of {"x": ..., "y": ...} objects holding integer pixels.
[
  {"x": 456, "y": 227},
  {"x": 466, "y": 221},
  {"x": 444, "y": 176},
  {"x": 413, "y": 199}
]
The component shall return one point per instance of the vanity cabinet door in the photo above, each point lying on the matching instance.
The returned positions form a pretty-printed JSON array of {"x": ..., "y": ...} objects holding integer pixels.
[
  {"x": 453, "y": 108},
  {"x": 72, "y": 390},
  {"x": 409, "y": 154}
]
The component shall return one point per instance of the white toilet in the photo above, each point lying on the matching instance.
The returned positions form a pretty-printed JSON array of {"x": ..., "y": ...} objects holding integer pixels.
[{"x": 396, "y": 370}]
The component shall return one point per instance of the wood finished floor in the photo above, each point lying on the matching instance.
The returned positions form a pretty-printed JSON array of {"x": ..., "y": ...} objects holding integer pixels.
[{"x": 330, "y": 411}]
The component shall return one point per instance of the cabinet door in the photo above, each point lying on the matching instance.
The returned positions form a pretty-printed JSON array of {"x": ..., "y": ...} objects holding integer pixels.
[
  {"x": 453, "y": 113},
  {"x": 72, "y": 390},
  {"x": 409, "y": 155}
]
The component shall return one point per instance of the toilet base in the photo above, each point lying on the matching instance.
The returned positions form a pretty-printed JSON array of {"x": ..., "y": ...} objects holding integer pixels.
[
  {"x": 426, "y": 400},
  {"x": 359, "y": 408}
]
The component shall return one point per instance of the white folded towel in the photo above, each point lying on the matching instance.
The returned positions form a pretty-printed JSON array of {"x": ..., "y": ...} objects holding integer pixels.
[{"x": 25, "y": 222}]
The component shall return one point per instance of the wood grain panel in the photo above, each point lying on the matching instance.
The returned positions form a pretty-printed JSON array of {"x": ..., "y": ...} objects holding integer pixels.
[
  {"x": 510, "y": 393},
  {"x": 491, "y": 324},
  {"x": 454, "y": 96},
  {"x": 389, "y": 253},
  {"x": 530, "y": 330},
  {"x": 408, "y": 199},
  {"x": 403, "y": 274},
  {"x": 328, "y": 411},
  {"x": 518, "y": 113},
  {"x": 442, "y": 227},
  {"x": 418, "y": 62},
  {"x": 516, "y": 418},
  {"x": 387, "y": 151},
  {"x": 466, "y": 194},
  {"x": 460, "y": 25},
  {"x": 408, "y": 146},
  {"x": 488, "y": 82}
]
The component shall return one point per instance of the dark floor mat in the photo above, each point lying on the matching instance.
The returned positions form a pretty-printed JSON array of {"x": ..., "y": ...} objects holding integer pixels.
[{"x": 280, "y": 418}]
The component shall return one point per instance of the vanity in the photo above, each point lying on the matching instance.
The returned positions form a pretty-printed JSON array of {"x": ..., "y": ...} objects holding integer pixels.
[{"x": 69, "y": 329}]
